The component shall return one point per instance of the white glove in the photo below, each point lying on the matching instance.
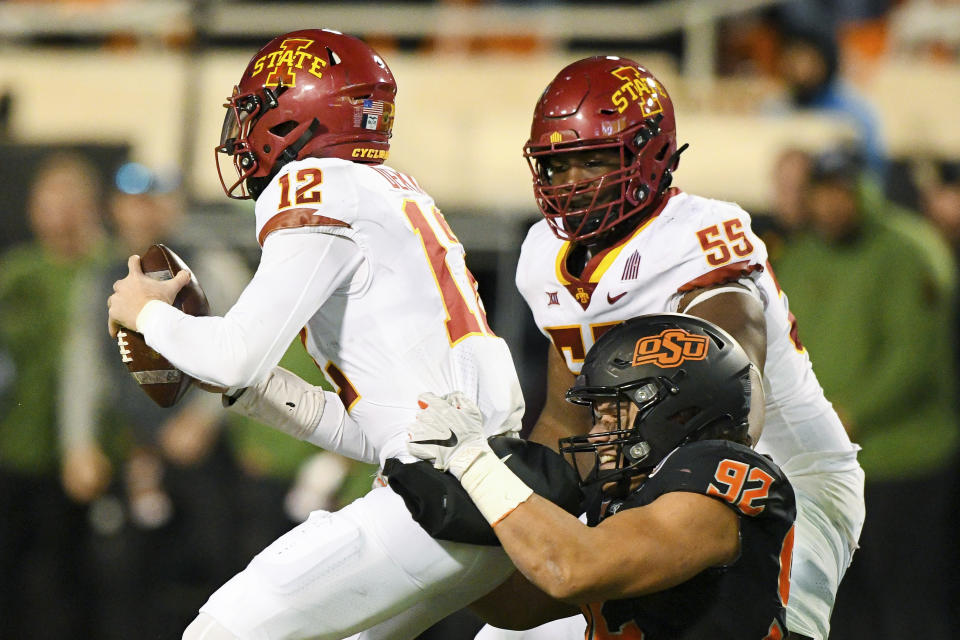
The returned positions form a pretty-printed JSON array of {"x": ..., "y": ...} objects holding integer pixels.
[{"x": 448, "y": 431}]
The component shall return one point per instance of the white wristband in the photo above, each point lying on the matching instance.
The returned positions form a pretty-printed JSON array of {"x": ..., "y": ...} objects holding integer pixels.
[
  {"x": 145, "y": 312},
  {"x": 493, "y": 487}
]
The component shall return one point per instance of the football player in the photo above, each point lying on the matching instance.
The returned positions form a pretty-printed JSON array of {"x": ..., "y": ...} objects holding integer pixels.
[
  {"x": 691, "y": 530},
  {"x": 618, "y": 240},
  {"x": 356, "y": 258}
]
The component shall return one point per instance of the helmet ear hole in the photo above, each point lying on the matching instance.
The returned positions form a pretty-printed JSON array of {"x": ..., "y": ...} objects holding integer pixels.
[
  {"x": 663, "y": 152},
  {"x": 638, "y": 452},
  {"x": 283, "y": 129},
  {"x": 682, "y": 416}
]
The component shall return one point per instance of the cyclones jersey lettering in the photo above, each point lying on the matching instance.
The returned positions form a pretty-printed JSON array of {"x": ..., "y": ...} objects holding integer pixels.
[
  {"x": 410, "y": 320},
  {"x": 740, "y": 601},
  {"x": 693, "y": 242}
]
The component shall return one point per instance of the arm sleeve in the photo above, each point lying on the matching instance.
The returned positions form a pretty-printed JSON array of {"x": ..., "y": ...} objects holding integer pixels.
[{"x": 298, "y": 272}]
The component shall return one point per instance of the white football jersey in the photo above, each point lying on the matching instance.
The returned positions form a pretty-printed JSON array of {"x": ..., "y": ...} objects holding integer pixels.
[
  {"x": 358, "y": 259},
  {"x": 693, "y": 242},
  {"x": 411, "y": 320}
]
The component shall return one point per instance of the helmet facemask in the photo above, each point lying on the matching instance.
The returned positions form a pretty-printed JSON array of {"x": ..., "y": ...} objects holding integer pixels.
[
  {"x": 625, "y": 443},
  {"x": 662, "y": 423},
  {"x": 243, "y": 111},
  {"x": 647, "y": 159},
  {"x": 674, "y": 379}
]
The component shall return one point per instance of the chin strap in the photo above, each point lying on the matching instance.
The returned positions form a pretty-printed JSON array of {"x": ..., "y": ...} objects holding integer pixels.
[
  {"x": 256, "y": 185},
  {"x": 667, "y": 178},
  {"x": 290, "y": 153}
]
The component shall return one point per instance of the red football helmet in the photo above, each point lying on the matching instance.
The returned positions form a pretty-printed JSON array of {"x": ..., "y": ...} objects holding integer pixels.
[
  {"x": 599, "y": 103},
  {"x": 307, "y": 93}
]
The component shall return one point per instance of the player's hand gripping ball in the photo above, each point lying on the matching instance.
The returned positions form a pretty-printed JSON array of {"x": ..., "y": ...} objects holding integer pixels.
[{"x": 159, "y": 379}]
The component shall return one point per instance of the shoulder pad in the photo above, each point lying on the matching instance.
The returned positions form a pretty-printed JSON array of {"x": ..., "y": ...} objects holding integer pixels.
[{"x": 748, "y": 481}]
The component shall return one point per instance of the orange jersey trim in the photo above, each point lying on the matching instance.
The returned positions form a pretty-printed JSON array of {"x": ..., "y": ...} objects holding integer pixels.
[
  {"x": 295, "y": 219},
  {"x": 726, "y": 273}
]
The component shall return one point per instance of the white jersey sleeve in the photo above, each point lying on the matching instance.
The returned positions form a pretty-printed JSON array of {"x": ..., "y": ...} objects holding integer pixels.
[
  {"x": 297, "y": 273},
  {"x": 710, "y": 243}
]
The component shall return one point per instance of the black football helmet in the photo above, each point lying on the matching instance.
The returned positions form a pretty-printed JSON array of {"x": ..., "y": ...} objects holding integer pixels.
[{"x": 683, "y": 373}]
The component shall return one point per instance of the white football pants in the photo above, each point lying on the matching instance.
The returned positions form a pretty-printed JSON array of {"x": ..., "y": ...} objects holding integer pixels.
[{"x": 368, "y": 566}]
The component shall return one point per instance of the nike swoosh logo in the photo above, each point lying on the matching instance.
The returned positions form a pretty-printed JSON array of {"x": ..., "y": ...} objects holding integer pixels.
[
  {"x": 505, "y": 458},
  {"x": 449, "y": 442},
  {"x": 611, "y": 299}
]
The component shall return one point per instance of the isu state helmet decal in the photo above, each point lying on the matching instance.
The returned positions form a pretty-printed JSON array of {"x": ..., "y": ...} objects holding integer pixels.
[
  {"x": 644, "y": 90},
  {"x": 282, "y": 65}
]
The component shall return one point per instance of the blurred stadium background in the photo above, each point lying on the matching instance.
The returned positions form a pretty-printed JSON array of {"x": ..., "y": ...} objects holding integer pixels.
[{"x": 143, "y": 81}]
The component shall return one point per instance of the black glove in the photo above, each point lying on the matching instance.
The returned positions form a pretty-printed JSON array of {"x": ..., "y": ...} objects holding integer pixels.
[{"x": 443, "y": 508}]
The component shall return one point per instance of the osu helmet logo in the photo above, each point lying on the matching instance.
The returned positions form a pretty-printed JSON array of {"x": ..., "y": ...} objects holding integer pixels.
[{"x": 669, "y": 349}]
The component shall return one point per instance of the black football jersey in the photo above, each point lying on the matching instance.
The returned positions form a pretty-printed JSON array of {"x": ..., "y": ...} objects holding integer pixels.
[{"x": 744, "y": 600}]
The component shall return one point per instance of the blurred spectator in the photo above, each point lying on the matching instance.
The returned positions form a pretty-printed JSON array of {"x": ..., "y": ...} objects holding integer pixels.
[
  {"x": 41, "y": 530},
  {"x": 160, "y": 528},
  {"x": 787, "y": 214},
  {"x": 809, "y": 65},
  {"x": 791, "y": 177},
  {"x": 941, "y": 203},
  {"x": 926, "y": 28},
  {"x": 874, "y": 304}
]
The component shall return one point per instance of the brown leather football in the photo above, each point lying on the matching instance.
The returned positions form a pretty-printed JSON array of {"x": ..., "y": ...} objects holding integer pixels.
[{"x": 159, "y": 379}]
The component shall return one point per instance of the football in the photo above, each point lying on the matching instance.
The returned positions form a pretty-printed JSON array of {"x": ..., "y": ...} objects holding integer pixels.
[{"x": 163, "y": 382}]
